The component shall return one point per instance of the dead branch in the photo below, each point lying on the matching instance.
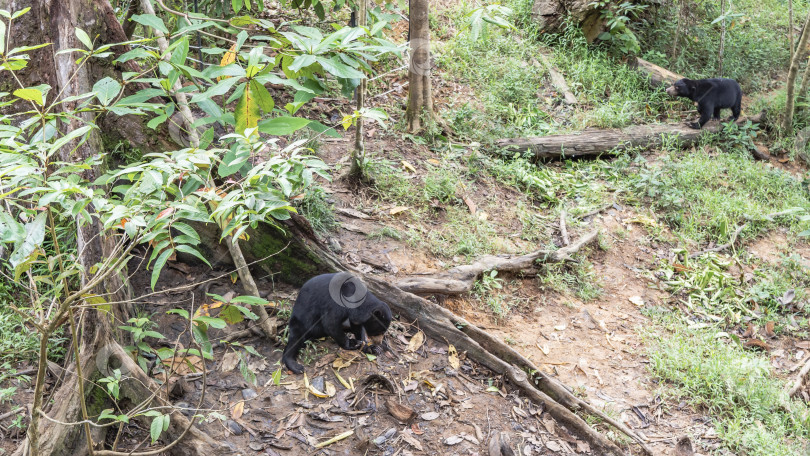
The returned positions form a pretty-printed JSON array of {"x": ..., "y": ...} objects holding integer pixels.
[
  {"x": 793, "y": 388},
  {"x": 598, "y": 142},
  {"x": 461, "y": 279},
  {"x": 563, "y": 230},
  {"x": 658, "y": 76},
  {"x": 557, "y": 80}
]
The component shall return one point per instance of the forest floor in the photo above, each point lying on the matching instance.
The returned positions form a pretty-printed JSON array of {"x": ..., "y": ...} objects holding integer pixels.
[{"x": 629, "y": 327}]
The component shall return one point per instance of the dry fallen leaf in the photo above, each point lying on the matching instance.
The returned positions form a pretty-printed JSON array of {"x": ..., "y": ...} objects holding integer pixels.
[
  {"x": 429, "y": 416},
  {"x": 416, "y": 341},
  {"x": 456, "y": 439},
  {"x": 396, "y": 210},
  {"x": 411, "y": 440},
  {"x": 560, "y": 327},
  {"x": 400, "y": 412},
  {"x": 544, "y": 349},
  {"x": 452, "y": 357},
  {"x": 408, "y": 166},
  {"x": 637, "y": 300},
  {"x": 229, "y": 361},
  {"x": 238, "y": 410},
  {"x": 769, "y": 329}
]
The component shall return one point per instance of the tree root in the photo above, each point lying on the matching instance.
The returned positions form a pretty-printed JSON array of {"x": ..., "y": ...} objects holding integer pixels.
[
  {"x": 461, "y": 279},
  {"x": 480, "y": 346}
]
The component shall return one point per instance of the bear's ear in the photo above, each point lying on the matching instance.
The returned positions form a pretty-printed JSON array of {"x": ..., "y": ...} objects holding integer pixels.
[{"x": 378, "y": 313}]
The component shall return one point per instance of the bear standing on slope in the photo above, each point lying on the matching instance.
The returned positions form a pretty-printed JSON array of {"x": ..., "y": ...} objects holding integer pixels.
[
  {"x": 711, "y": 95},
  {"x": 331, "y": 305}
]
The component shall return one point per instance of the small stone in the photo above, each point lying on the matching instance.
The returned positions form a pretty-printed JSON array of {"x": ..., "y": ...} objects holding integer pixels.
[
  {"x": 248, "y": 394},
  {"x": 233, "y": 427}
]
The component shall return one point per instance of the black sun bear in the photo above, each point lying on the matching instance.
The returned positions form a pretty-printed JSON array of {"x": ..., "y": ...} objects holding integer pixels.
[
  {"x": 711, "y": 95},
  {"x": 330, "y": 305}
]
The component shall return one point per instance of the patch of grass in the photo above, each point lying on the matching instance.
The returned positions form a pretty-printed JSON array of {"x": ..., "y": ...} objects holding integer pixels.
[
  {"x": 317, "y": 208},
  {"x": 753, "y": 416},
  {"x": 704, "y": 198},
  {"x": 619, "y": 95},
  {"x": 387, "y": 231},
  {"x": 461, "y": 234},
  {"x": 577, "y": 278},
  {"x": 17, "y": 342}
]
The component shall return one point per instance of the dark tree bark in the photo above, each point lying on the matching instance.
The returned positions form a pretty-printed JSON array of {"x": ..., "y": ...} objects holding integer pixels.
[
  {"x": 420, "y": 97},
  {"x": 55, "y": 21},
  {"x": 793, "y": 72}
]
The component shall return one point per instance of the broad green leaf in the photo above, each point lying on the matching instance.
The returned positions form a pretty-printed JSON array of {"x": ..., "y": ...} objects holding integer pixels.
[
  {"x": 339, "y": 69},
  {"x": 156, "y": 428},
  {"x": 150, "y": 20},
  {"x": 302, "y": 61},
  {"x": 252, "y": 300},
  {"x": 217, "y": 323},
  {"x": 180, "y": 53},
  {"x": 106, "y": 90},
  {"x": 34, "y": 235},
  {"x": 29, "y": 94},
  {"x": 84, "y": 38},
  {"x": 158, "y": 266},
  {"x": 64, "y": 140},
  {"x": 281, "y": 126},
  {"x": 236, "y": 5},
  {"x": 232, "y": 315}
]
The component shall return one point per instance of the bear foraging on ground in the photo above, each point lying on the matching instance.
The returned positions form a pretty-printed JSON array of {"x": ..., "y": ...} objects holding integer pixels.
[
  {"x": 711, "y": 95},
  {"x": 330, "y": 305}
]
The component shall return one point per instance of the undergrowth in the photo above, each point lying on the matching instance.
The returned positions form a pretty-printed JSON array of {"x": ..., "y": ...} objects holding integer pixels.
[{"x": 751, "y": 413}]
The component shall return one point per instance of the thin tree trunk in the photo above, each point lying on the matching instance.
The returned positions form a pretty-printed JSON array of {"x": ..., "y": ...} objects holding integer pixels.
[
  {"x": 676, "y": 39},
  {"x": 722, "y": 38},
  {"x": 790, "y": 28},
  {"x": 420, "y": 98},
  {"x": 359, "y": 152},
  {"x": 787, "y": 124}
]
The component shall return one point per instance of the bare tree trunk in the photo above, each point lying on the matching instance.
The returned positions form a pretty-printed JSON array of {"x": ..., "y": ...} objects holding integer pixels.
[
  {"x": 787, "y": 124},
  {"x": 420, "y": 98},
  {"x": 359, "y": 152},
  {"x": 790, "y": 28},
  {"x": 722, "y": 38}
]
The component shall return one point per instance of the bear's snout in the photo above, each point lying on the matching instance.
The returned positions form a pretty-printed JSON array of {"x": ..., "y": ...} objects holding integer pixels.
[{"x": 672, "y": 91}]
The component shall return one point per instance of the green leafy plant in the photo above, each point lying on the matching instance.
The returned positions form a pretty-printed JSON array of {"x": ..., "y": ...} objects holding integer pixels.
[
  {"x": 617, "y": 19},
  {"x": 479, "y": 20}
]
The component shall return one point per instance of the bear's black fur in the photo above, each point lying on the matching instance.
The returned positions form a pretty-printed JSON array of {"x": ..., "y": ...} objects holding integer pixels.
[
  {"x": 711, "y": 95},
  {"x": 315, "y": 315}
]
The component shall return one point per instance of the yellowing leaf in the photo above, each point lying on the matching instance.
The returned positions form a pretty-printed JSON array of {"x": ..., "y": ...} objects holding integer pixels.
[
  {"x": 452, "y": 357},
  {"x": 238, "y": 410},
  {"x": 416, "y": 341},
  {"x": 234, "y": 277},
  {"x": 228, "y": 59},
  {"x": 347, "y": 122},
  {"x": 408, "y": 166},
  {"x": 246, "y": 113},
  {"x": 396, "y": 210}
]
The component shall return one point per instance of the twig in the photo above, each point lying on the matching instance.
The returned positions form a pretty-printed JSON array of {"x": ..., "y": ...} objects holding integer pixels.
[
  {"x": 11, "y": 413},
  {"x": 722, "y": 247},
  {"x": 563, "y": 229},
  {"x": 793, "y": 389}
]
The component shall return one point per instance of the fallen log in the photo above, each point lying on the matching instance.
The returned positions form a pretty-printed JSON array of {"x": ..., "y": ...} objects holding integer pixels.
[
  {"x": 598, "y": 142},
  {"x": 461, "y": 279},
  {"x": 658, "y": 75}
]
